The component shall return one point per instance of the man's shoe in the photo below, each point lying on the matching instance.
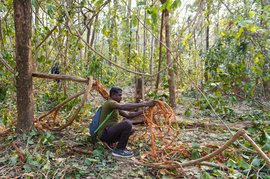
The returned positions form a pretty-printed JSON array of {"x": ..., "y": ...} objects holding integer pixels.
[{"x": 122, "y": 153}]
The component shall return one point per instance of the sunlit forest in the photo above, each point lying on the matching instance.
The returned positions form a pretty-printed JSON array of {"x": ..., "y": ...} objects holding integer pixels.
[{"x": 205, "y": 63}]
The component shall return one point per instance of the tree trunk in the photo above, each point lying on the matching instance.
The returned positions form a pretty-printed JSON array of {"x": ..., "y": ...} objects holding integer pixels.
[
  {"x": 129, "y": 26},
  {"x": 206, "y": 78},
  {"x": 160, "y": 49},
  {"x": 144, "y": 36},
  {"x": 24, "y": 83},
  {"x": 151, "y": 65},
  {"x": 137, "y": 33},
  {"x": 1, "y": 36},
  {"x": 266, "y": 66},
  {"x": 93, "y": 37},
  {"x": 169, "y": 59}
]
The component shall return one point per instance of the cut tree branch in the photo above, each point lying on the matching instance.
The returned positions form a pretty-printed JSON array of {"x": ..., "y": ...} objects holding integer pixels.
[
  {"x": 60, "y": 105},
  {"x": 84, "y": 99},
  {"x": 60, "y": 77}
]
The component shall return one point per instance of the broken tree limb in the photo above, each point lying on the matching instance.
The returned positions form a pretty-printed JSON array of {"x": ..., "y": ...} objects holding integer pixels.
[
  {"x": 187, "y": 124},
  {"x": 101, "y": 89},
  {"x": 60, "y": 77},
  {"x": 215, "y": 153},
  {"x": 257, "y": 148},
  {"x": 61, "y": 104},
  {"x": 200, "y": 161},
  {"x": 96, "y": 85},
  {"x": 88, "y": 88}
]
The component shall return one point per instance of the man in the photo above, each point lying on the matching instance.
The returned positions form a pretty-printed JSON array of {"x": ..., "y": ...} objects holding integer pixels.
[{"x": 114, "y": 131}]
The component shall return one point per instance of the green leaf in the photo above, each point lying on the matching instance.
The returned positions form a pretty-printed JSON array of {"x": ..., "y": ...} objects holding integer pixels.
[
  {"x": 3, "y": 160},
  {"x": 244, "y": 165},
  {"x": 13, "y": 160},
  {"x": 256, "y": 162},
  {"x": 251, "y": 14},
  {"x": 231, "y": 163},
  {"x": 176, "y": 4},
  {"x": 239, "y": 33},
  {"x": 206, "y": 175},
  {"x": 266, "y": 146},
  {"x": 141, "y": 3},
  {"x": 97, "y": 153},
  {"x": 187, "y": 112},
  {"x": 89, "y": 161}
]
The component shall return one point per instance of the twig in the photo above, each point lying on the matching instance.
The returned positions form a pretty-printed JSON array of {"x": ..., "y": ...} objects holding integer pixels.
[
  {"x": 9, "y": 68},
  {"x": 211, "y": 164},
  {"x": 47, "y": 36},
  {"x": 257, "y": 148},
  {"x": 260, "y": 170}
]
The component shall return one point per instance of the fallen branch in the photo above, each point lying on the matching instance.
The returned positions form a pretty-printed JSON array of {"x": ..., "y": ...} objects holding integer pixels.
[
  {"x": 60, "y": 77},
  {"x": 99, "y": 88},
  {"x": 89, "y": 87},
  {"x": 187, "y": 124},
  {"x": 199, "y": 161},
  {"x": 61, "y": 104}
]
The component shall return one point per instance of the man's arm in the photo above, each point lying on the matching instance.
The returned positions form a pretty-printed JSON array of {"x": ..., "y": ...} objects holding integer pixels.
[
  {"x": 130, "y": 115},
  {"x": 129, "y": 106}
]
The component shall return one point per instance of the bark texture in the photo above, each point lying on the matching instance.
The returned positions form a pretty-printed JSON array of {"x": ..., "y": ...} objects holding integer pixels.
[{"x": 24, "y": 83}]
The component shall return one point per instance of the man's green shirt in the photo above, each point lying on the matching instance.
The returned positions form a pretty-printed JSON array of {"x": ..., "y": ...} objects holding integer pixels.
[{"x": 107, "y": 108}]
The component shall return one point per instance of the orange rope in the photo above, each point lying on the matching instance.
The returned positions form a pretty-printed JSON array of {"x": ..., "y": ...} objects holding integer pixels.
[{"x": 159, "y": 120}]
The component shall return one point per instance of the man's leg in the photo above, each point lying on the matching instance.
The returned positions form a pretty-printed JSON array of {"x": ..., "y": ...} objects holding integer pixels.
[{"x": 118, "y": 133}]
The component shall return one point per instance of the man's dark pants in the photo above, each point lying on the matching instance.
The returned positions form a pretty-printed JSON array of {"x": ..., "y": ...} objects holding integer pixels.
[{"x": 119, "y": 132}]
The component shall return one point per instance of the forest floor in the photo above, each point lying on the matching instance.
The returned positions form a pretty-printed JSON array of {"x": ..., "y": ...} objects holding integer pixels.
[{"x": 71, "y": 154}]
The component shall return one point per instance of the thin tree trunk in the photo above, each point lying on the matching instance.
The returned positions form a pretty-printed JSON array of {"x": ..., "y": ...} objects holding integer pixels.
[
  {"x": 169, "y": 59},
  {"x": 129, "y": 26},
  {"x": 111, "y": 34},
  {"x": 66, "y": 58},
  {"x": 137, "y": 33},
  {"x": 1, "y": 36},
  {"x": 206, "y": 78},
  {"x": 160, "y": 49},
  {"x": 151, "y": 66},
  {"x": 93, "y": 36},
  {"x": 144, "y": 35},
  {"x": 24, "y": 82},
  {"x": 266, "y": 83}
]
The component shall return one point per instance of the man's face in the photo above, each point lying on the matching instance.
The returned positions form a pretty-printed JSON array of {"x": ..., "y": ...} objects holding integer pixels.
[{"x": 117, "y": 97}]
